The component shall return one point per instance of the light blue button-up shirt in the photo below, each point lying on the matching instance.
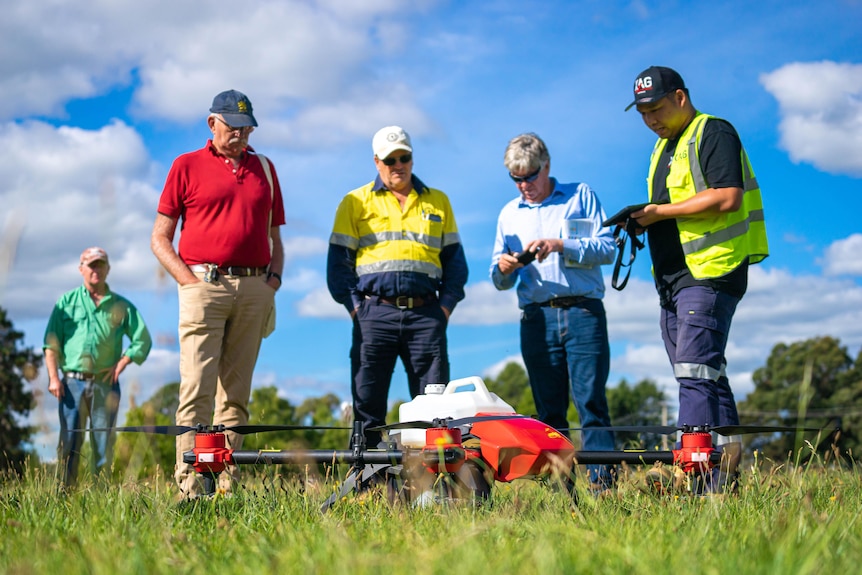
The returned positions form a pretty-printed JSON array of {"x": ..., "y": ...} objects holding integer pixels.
[{"x": 572, "y": 212}]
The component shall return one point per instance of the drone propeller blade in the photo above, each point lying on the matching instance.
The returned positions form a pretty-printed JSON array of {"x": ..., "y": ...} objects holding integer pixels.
[
  {"x": 659, "y": 429},
  {"x": 447, "y": 422},
  {"x": 156, "y": 429},
  {"x": 478, "y": 418},
  {"x": 740, "y": 429},
  {"x": 247, "y": 429},
  {"x": 404, "y": 425},
  {"x": 719, "y": 429}
]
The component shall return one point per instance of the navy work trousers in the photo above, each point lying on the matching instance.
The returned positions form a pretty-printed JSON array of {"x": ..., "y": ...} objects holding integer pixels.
[
  {"x": 381, "y": 334},
  {"x": 694, "y": 327}
]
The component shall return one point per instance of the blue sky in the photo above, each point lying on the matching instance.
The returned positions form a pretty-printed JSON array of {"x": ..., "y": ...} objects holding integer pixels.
[{"x": 100, "y": 97}]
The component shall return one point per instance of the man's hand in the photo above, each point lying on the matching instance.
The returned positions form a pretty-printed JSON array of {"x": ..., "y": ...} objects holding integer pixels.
[
  {"x": 114, "y": 372},
  {"x": 55, "y": 386},
  {"x": 544, "y": 248}
]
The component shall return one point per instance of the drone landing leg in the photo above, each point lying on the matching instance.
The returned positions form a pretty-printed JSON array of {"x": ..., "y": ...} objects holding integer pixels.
[{"x": 209, "y": 481}]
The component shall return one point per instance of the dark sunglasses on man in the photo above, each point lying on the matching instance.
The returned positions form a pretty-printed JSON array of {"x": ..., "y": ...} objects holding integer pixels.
[
  {"x": 529, "y": 178},
  {"x": 390, "y": 161}
]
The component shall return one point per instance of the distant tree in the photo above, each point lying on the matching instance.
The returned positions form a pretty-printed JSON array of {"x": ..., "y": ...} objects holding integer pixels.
[
  {"x": 324, "y": 411},
  {"x": 638, "y": 405},
  {"x": 266, "y": 407},
  {"x": 17, "y": 364},
  {"x": 513, "y": 386},
  {"x": 812, "y": 383}
]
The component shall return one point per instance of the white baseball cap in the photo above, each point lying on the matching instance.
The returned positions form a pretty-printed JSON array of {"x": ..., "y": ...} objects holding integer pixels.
[{"x": 389, "y": 139}]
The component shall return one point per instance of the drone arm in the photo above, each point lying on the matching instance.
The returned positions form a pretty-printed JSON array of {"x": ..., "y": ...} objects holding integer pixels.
[{"x": 393, "y": 457}]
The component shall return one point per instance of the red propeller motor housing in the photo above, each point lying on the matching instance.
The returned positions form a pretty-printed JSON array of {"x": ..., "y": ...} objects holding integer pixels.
[
  {"x": 694, "y": 452},
  {"x": 211, "y": 455}
]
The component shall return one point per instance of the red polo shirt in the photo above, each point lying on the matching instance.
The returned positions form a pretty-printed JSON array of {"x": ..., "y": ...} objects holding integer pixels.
[{"x": 224, "y": 211}]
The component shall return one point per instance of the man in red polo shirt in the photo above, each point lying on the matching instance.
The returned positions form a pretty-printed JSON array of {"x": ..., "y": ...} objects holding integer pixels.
[{"x": 228, "y": 268}]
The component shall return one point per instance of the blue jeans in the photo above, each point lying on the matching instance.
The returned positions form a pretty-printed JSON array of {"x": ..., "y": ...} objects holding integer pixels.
[
  {"x": 567, "y": 350},
  {"x": 695, "y": 327},
  {"x": 83, "y": 400}
]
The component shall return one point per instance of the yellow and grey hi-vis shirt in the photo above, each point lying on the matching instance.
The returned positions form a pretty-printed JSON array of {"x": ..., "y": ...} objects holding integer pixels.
[{"x": 376, "y": 248}]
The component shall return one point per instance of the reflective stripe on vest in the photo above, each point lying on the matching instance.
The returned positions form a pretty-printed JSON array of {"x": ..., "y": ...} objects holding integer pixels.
[
  {"x": 712, "y": 246},
  {"x": 390, "y": 238}
]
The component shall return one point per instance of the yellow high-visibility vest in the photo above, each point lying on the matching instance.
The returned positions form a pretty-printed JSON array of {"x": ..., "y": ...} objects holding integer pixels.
[{"x": 713, "y": 246}]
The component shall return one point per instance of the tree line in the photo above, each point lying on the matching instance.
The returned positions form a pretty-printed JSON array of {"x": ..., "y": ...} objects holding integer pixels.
[{"x": 811, "y": 383}]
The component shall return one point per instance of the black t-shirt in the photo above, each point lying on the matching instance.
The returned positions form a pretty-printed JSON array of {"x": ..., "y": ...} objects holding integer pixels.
[{"x": 720, "y": 160}]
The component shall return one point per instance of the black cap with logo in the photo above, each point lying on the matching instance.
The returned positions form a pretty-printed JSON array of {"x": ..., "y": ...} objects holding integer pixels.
[{"x": 655, "y": 83}]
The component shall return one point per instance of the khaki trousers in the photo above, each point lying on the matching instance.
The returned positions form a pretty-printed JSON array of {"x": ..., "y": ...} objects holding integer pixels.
[{"x": 220, "y": 329}]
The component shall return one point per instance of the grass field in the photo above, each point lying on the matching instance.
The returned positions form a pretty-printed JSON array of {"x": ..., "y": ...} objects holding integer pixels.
[{"x": 791, "y": 520}]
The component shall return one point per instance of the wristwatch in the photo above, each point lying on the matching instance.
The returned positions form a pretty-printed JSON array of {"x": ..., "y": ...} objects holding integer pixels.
[{"x": 274, "y": 275}]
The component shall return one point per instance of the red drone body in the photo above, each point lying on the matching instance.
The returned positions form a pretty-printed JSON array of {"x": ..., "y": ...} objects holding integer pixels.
[{"x": 516, "y": 448}]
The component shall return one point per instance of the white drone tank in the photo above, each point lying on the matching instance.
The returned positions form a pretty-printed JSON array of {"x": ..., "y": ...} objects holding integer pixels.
[{"x": 459, "y": 398}]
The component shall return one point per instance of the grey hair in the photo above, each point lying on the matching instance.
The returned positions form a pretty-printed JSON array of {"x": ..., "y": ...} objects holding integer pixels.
[{"x": 526, "y": 153}]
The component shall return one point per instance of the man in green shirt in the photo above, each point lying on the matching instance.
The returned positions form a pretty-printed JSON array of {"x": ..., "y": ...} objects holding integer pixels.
[{"x": 84, "y": 339}]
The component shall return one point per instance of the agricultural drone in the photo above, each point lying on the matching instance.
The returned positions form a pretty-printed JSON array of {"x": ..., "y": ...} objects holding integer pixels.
[{"x": 459, "y": 458}]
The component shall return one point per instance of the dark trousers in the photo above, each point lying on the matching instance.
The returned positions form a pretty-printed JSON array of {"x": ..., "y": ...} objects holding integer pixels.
[
  {"x": 567, "y": 351},
  {"x": 381, "y": 334},
  {"x": 695, "y": 327}
]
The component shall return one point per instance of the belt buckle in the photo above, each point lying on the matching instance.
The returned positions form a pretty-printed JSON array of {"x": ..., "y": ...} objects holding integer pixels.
[
  {"x": 555, "y": 303},
  {"x": 408, "y": 299}
]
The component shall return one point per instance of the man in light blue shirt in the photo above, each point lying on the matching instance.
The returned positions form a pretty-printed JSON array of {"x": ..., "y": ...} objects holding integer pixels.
[{"x": 550, "y": 242}]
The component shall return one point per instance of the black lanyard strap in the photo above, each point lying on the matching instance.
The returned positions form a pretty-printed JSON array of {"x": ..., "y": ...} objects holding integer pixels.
[{"x": 621, "y": 239}]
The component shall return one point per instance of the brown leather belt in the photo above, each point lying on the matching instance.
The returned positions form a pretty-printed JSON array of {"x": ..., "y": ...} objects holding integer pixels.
[
  {"x": 405, "y": 301},
  {"x": 236, "y": 271},
  {"x": 564, "y": 302}
]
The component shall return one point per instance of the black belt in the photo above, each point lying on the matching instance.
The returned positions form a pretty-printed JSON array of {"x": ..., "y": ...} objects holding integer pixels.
[
  {"x": 406, "y": 301},
  {"x": 80, "y": 375},
  {"x": 564, "y": 302}
]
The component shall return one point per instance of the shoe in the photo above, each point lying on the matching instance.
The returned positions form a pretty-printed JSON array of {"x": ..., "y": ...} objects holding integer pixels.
[{"x": 664, "y": 479}]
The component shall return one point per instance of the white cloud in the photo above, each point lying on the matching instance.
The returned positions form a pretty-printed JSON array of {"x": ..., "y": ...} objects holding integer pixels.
[
  {"x": 843, "y": 257},
  {"x": 318, "y": 303},
  {"x": 94, "y": 186},
  {"x": 311, "y": 69},
  {"x": 299, "y": 247},
  {"x": 821, "y": 109},
  {"x": 486, "y": 305}
]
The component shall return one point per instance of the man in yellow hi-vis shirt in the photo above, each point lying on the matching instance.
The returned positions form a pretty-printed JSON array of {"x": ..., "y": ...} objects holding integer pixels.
[{"x": 396, "y": 264}]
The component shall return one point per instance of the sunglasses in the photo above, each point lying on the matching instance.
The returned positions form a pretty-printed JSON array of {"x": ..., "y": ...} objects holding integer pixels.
[
  {"x": 529, "y": 178},
  {"x": 232, "y": 128},
  {"x": 390, "y": 161}
]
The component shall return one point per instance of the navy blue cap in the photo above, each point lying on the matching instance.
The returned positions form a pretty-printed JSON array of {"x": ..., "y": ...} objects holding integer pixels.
[
  {"x": 235, "y": 108},
  {"x": 655, "y": 83}
]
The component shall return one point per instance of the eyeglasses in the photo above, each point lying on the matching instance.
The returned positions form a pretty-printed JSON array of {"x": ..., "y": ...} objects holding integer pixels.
[
  {"x": 529, "y": 178},
  {"x": 390, "y": 161},
  {"x": 232, "y": 128}
]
